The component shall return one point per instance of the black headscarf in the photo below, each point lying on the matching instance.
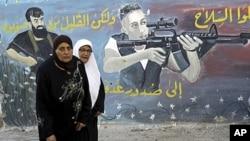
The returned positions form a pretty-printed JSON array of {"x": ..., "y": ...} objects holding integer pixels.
[{"x": 69, "y": 66}]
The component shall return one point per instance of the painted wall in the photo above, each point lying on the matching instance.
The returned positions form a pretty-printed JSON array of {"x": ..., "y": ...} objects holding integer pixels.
[{"x": 220, "y": 94}]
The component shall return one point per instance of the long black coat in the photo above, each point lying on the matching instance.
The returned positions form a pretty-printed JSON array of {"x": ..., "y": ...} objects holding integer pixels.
[{"x": 62, "y": 100}]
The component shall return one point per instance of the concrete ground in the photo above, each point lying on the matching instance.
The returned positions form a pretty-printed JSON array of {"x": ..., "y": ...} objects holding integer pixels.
[{"x": 172, "y": 131}]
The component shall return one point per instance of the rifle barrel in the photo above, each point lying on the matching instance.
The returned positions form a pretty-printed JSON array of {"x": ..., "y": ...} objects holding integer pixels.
[
  {"x": 242, "y": 35},
  {"x": 138, "y": 42},
  {"x": 236, "y": 41}
]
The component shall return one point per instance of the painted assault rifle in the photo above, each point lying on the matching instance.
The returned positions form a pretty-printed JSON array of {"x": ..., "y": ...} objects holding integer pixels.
[
  {"x": 162, "y": 35},
  {"x": 26, "y": 53}
]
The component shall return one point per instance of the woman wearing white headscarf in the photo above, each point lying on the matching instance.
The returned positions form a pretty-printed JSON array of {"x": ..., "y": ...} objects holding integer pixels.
[{"x": 83, "y": 49}]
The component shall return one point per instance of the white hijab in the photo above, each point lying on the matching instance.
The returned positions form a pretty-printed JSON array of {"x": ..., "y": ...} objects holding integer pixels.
[{"x": 91, "y": 68}]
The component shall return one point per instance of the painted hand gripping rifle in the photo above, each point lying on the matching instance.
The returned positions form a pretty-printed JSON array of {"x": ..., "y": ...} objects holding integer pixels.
[{"x": 163, "y": 35}]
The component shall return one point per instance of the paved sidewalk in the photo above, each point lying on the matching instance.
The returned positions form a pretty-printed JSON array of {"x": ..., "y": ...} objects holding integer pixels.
[{"x": 182, "y": 131}]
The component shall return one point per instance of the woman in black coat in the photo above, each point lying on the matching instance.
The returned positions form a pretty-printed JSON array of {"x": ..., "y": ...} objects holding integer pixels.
[
  {"x": 63, "y": 102},
  {"x": 83, "y": 49}
]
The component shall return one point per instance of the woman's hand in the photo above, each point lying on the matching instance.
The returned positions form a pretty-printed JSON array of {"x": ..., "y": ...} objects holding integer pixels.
[
  {"x": 79, "y": 126},
  {"x": 97, "y": 113},
  {"x": 51, "y": 138}
]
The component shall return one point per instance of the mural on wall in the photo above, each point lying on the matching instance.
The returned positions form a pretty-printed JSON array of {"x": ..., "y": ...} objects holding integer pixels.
[
  {"x": 33, "y": 46},
  {"x": 153, "y": 68},
  {"x": 139, "y": 65}
]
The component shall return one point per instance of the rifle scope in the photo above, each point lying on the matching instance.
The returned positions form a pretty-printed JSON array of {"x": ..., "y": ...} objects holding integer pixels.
[{"x": 169, "y": 22}]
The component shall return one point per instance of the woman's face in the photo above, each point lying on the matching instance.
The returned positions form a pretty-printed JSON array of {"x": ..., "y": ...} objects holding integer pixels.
[
  {"x": 64, "y": 52},
  {"x": 84, "y": 53}
]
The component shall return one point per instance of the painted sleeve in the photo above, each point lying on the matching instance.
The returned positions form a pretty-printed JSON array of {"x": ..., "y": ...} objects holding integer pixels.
[{"x": 112, "y": 44}]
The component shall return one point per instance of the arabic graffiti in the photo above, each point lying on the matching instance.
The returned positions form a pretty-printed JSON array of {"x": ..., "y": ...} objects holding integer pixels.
[
  {"x": 81, "y": 20},
  {"x": 242, "y": 14},
  {"x": 14, "y": 27},
  {"x": 68, "y": 22},
  {"x": 175, "y": 89}
]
